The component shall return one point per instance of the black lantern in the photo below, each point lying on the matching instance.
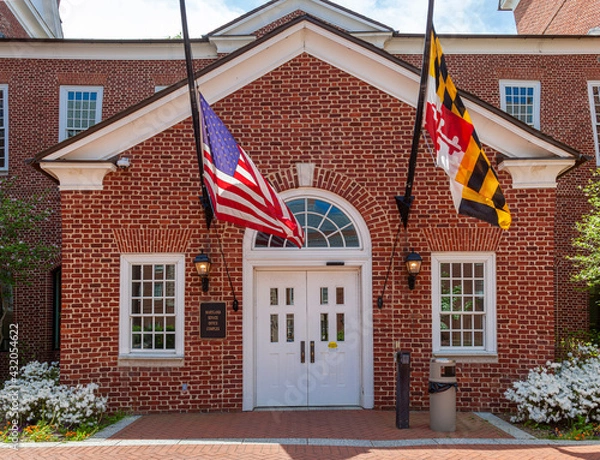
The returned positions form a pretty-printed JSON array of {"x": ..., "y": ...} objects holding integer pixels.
[
  {"x": 202, "y": 263},
  {"x": 413, "y": 266}
]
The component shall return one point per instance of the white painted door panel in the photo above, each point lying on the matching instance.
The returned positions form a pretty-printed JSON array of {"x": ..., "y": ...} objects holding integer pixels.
[{"x": 307, "y": 338}]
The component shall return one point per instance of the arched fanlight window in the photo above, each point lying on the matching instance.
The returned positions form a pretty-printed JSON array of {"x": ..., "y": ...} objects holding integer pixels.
[{"x": 325, "y": 226}]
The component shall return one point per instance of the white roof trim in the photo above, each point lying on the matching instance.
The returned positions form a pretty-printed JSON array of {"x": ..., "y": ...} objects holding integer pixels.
[
  {"x": 327, "y": 12},
  {"x": 501, "y": 44},
  {"x": 500, "y": 134},
  {"x": 104, "y": 50},
  {"x": 304, "y": 37},
  {"x": 39, "y": 18},
  {"x": 398, "y": 45},
  {"x": 507, "y": 5}
]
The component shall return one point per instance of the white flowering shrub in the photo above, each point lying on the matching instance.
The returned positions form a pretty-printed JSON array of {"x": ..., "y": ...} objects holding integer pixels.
[
  {"x": 560, "y": 392},
  {"x": 42, "y": 399}
]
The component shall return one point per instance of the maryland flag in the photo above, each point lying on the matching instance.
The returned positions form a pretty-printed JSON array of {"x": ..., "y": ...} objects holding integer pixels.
[{"x": 473, "y": 183}]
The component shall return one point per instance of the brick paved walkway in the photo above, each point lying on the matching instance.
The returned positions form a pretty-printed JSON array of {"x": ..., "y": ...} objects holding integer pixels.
[
  {"x": 321, "y": 424},
  {"x": 295, "y": 452},
  {"x": 304, "y": 435}
]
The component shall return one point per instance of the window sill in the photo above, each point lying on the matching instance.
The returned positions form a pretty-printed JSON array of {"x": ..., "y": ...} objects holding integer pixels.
[
  {"x": 467, "y": 357},
  {"x": 150, "y": 361}
]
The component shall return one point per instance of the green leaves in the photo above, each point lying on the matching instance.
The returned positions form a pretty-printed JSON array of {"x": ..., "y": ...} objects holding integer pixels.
[
  {"x": 588, "y": 242},
  {"x": 22, "y": 239}
]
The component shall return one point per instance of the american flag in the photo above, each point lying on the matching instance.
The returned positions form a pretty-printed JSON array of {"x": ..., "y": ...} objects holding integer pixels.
[{"x": 238, "y": 192}]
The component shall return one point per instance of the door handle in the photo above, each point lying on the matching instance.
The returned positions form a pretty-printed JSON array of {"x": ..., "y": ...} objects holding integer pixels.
[
  {"x": 302, "y": 352},
  {"x": 312, "y": 351}
]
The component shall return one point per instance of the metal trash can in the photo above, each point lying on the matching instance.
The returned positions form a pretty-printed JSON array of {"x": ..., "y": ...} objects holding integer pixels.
[{"x": 442, "y": 395}]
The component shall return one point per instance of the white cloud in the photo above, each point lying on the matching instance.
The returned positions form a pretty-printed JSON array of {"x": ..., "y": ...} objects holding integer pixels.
[
  {"x": 141, "y": 18},
  {"x": 161, "y": 18}
]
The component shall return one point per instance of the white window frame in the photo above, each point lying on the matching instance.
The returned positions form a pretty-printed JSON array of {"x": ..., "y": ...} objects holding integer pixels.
[
  {"x": 127, "y": 261},
  {"x": 490, "y": 335},
  {"x": 4, "y": 89},
  {"x": 595, "y": 117},
  {"x": 64, "y": 91},
  {"x": 536, "y": 85}
]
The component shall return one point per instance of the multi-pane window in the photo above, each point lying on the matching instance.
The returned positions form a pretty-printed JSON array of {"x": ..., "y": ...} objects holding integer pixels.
[
  {"x": 594, "y": 92},
  {"x": 464, "y": 311},
  {"x": 521, "y": 99},
  {"x": 325, "y": 226},
  {"x": 152, "y": 305},
  {"x": 3, "y": 127},
  {"x": 80, "y": 108}
]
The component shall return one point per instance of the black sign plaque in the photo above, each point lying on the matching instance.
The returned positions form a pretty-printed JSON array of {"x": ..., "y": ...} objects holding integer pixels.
[{"x": 213, "y": 320}]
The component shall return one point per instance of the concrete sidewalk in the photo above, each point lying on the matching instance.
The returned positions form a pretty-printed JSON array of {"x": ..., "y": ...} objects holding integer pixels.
[{"x": 313, "y": 434}]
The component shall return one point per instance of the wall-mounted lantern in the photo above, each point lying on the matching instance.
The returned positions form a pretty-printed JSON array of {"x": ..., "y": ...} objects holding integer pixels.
[
  {"x": 202, "y": 263},
  {"x": 413, "y": 266}
]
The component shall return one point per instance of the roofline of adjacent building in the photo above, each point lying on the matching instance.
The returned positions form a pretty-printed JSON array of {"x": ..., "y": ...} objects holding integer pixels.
[
  {"x": 260, "y": 10},
  {"x": 206, "y": 47},
  {"x": 230, "y": 57}
]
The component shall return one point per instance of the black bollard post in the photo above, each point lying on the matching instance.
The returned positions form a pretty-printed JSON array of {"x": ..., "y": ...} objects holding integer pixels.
[{"x": 402, "y": 388}]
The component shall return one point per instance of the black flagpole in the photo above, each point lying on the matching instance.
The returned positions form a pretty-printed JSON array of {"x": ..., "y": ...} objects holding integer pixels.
[
  {"x": 404, "y": 202},
  {"x": 208, "y": 212}
]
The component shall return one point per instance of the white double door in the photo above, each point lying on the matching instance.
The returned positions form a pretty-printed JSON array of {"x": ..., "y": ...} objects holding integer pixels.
[{"x": 307, "y": 338}]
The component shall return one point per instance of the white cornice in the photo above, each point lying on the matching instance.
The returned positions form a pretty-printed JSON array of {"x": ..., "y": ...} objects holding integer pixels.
[
  {"x": 78, "y": 175},
  {"x": 398, "y": 45},
  {"x": 103, "y": 50},
  {"x": 378, "y": 39},
  {"x": 535, "y": 173},
  {"x": 507, "y": 5},
  {"x": 228, "y": 44},
  {"x": 500, "y": 44}
]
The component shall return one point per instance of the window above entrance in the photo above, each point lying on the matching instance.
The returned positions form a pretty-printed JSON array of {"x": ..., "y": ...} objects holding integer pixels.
[{"x": 325, "y": 226}]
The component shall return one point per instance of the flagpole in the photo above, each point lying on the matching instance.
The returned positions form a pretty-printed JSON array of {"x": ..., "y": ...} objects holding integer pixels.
[
  {"x": 208, "y": 213},
  {"x": 404, "y": 202}
]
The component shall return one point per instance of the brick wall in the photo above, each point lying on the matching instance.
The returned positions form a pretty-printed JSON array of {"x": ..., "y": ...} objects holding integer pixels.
[
  {"x": 305, "y": 111},
  {"x": 557, "y": 17}
]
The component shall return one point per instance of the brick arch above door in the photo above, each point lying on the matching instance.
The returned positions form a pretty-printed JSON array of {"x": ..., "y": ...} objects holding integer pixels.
[{"x": 377, "y": 216}]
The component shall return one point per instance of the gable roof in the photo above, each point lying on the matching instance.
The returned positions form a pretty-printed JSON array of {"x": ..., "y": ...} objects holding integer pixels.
[
  {"x": 306, "y": 34},
  {"x": 325, "y": 10},
  {"x": 243, "y": 29}
]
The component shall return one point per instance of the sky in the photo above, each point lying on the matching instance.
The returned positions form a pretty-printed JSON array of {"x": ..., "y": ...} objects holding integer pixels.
[{"x": 147, "y": 19}]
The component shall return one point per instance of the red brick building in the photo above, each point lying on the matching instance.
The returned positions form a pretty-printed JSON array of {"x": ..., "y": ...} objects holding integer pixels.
[
  {"x": 554, "y": 17},
  {"x": 32, "y": 304},
  {"x": 578, "y": 18},
  {"x": 323, "y": 100}
]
